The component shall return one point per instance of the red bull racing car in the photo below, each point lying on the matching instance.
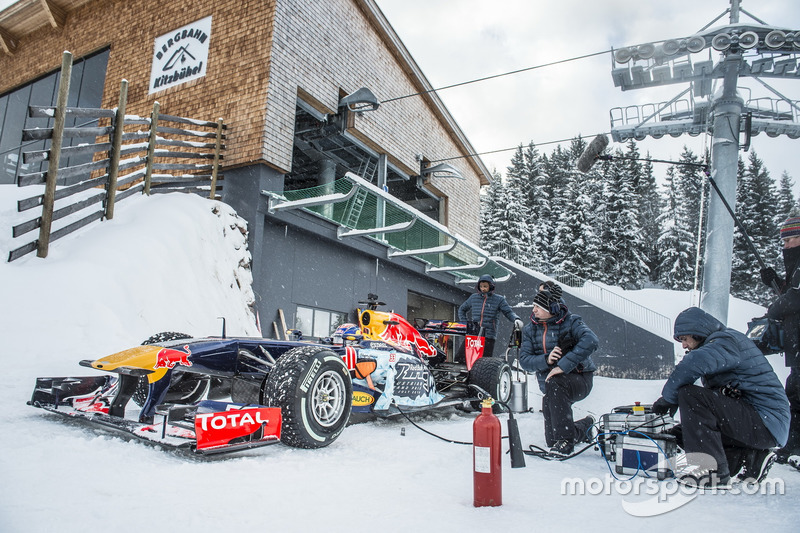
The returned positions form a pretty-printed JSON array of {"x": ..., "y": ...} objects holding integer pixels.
[{"x": 222, "y": 394}]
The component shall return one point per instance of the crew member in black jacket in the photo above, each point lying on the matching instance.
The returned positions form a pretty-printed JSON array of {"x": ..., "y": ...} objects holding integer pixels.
[{"x": 787, "y": 309}]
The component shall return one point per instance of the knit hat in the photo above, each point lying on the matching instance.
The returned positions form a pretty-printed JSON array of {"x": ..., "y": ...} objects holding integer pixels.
[
  {"x": 553, "y": 287},
  {"x": 790, "y": 227},
  {"x": 546, "y": 301}
]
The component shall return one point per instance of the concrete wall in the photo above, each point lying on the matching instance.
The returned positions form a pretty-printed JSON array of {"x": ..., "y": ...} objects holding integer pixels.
[
  {"x": 302, "y": 263},
  {"x": 626, "y": 350}
]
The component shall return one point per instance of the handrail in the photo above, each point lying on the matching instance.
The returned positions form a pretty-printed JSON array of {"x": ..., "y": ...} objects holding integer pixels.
[{"x": 623, "y": 307}]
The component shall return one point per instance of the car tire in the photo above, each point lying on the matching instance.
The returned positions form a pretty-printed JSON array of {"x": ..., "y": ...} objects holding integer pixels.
[
  {"x": 184, "y": 387},
  {"x": 493, "y": 375},
  {"x": 312, "y": 387}
]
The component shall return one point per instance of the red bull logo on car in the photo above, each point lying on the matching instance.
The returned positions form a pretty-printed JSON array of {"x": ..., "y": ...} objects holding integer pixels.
[{"x": 168, "y": 358}]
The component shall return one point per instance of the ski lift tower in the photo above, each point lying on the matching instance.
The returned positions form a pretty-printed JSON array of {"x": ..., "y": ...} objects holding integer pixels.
[{"x": 754, "y": 50}]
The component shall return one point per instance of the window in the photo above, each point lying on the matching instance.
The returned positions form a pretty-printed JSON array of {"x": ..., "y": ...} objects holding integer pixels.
[
  {"x": 318, "y": 322},
  {"x": 420, "y": 306},
  {"x": 85, "y": 90}
]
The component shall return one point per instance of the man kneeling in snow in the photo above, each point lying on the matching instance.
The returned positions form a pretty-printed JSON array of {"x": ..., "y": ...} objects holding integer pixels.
[{"x": 741, "y": 411}]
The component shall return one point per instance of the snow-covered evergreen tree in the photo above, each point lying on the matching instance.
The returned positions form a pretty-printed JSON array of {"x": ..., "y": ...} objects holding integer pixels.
[
  {"x": 786, "y": 200},
  {"x": 648, "y": 210},
  {"x": 577, "y": 244},
  {"x": 622, "y": 238},
  {"x": 676, "y": 240},
  {"x": 493, "y": 222},
  {"x": 755, "y": 208}
]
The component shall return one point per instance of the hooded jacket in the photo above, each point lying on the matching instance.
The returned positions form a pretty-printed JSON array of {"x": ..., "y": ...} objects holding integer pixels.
[
  {"x": 482, "y": 308},
  {"x": 564, "y": 329},
  {"x": 728, "y": 358}
]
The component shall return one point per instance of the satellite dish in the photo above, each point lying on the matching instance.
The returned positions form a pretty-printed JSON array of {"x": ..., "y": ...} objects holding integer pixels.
[
  {"x": 721, "y": 42},
  {"x": 695, "y": 43},
  {"x": 775, "y": 39}
]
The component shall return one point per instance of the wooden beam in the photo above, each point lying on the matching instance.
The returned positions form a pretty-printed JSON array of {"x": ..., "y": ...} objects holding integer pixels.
[
  {"x": 7, "y": 42},
  {"x": 283, "y": 324},
  {"x": 56, "y": 15}
]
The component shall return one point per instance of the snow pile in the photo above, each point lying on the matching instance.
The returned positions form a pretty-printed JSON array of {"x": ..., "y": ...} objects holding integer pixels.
[{"x": 177, "y": 262}]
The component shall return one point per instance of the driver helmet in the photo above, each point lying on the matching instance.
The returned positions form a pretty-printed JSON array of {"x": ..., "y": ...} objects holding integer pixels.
[{"x": 346, "y": 332}]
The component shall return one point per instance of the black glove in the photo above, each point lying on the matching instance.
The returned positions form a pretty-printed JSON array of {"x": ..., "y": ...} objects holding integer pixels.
[
  {"x": 663, "y": 407},
  {"x": 731, "y": 392},
  {"x": 768, "y": 275}
]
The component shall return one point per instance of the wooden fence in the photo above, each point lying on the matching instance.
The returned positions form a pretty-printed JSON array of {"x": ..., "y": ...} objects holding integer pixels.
[{"x": 170, "y": 154}]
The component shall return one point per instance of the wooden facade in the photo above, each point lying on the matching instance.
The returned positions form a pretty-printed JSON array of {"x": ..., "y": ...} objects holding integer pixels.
[{"x": 262, "y": 57}]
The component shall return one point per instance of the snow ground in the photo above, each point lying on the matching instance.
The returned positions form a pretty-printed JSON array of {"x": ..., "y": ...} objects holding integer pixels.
[{"x": 169, "y": 263}]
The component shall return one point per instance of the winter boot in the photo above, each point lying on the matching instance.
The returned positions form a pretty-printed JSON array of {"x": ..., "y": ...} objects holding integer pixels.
[
  {"x": 586, "y": 429},
  {"x": 562, "y": 448},
  {"x": 756, "y": 466}
]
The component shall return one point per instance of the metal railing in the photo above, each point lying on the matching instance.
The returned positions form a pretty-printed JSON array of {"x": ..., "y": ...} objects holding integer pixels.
[{"x": 592, "y": 292}]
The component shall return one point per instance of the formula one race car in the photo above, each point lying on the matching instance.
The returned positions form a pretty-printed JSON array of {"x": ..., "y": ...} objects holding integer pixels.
[{"x": 220, "y": 394}]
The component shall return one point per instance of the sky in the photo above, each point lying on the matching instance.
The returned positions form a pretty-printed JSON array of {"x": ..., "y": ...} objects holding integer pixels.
[
  {"x": 454, "y": 42},
  {"x": 173, "y": 262}
]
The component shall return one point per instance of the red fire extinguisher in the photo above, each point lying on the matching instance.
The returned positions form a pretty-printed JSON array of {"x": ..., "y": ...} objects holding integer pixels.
[{"x": 486, "y": 455}]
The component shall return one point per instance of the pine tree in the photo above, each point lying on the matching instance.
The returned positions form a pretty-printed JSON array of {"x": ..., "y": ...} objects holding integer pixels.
[
  {"x": 622, "y": 239},
  {"x": 675, "y": 242},
  {"x": 493, "y": 225},
  {"x": 755, "y": 209},
  {"x": 786, "y": 200},
  {"x": 649, "y": 209},
  {"x": 577, "y": 245}
]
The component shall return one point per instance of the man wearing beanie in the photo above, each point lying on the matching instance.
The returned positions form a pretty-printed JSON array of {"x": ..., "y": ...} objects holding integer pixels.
[
  {"x": 787, "y": 309},
  {"x": 483, "y": 308},
  {"x": 557, "y": 345}
]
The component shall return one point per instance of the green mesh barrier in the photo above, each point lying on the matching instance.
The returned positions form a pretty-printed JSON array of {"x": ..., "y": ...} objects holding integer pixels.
[{"x": 366, "y": 210}]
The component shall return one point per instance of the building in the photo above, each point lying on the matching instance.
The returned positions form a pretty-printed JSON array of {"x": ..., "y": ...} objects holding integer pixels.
[
  {"x": 312, "y": 93},
  {"x": 278, "y": 72}
]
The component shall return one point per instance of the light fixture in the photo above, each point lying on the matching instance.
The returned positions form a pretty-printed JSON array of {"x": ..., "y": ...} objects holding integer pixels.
[
  {"x": 442, "y": 170},
  {"x": 360, "y": 100}
]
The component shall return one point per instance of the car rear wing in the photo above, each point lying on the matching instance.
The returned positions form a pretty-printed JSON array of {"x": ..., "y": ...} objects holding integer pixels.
[{"x": 445, "y": 327}]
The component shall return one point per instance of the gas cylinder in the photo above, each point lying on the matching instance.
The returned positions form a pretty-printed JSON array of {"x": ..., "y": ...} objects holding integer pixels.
[{"x": 486, "y": 455}]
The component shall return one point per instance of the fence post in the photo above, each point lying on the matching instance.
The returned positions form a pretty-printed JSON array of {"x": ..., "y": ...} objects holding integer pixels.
[
  {"x": 151, "y": 147},
  {"x": 217, "y": 149},
  {"x": 116, "y": 145},
  {"x": 48, "y": 201}
]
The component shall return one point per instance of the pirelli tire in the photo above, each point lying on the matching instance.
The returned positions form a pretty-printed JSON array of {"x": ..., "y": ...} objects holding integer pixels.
[
  {"x": 493, "y": 375},
  {"x": 184, "y": 387},
  {"x": 312, "y": 386}
]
